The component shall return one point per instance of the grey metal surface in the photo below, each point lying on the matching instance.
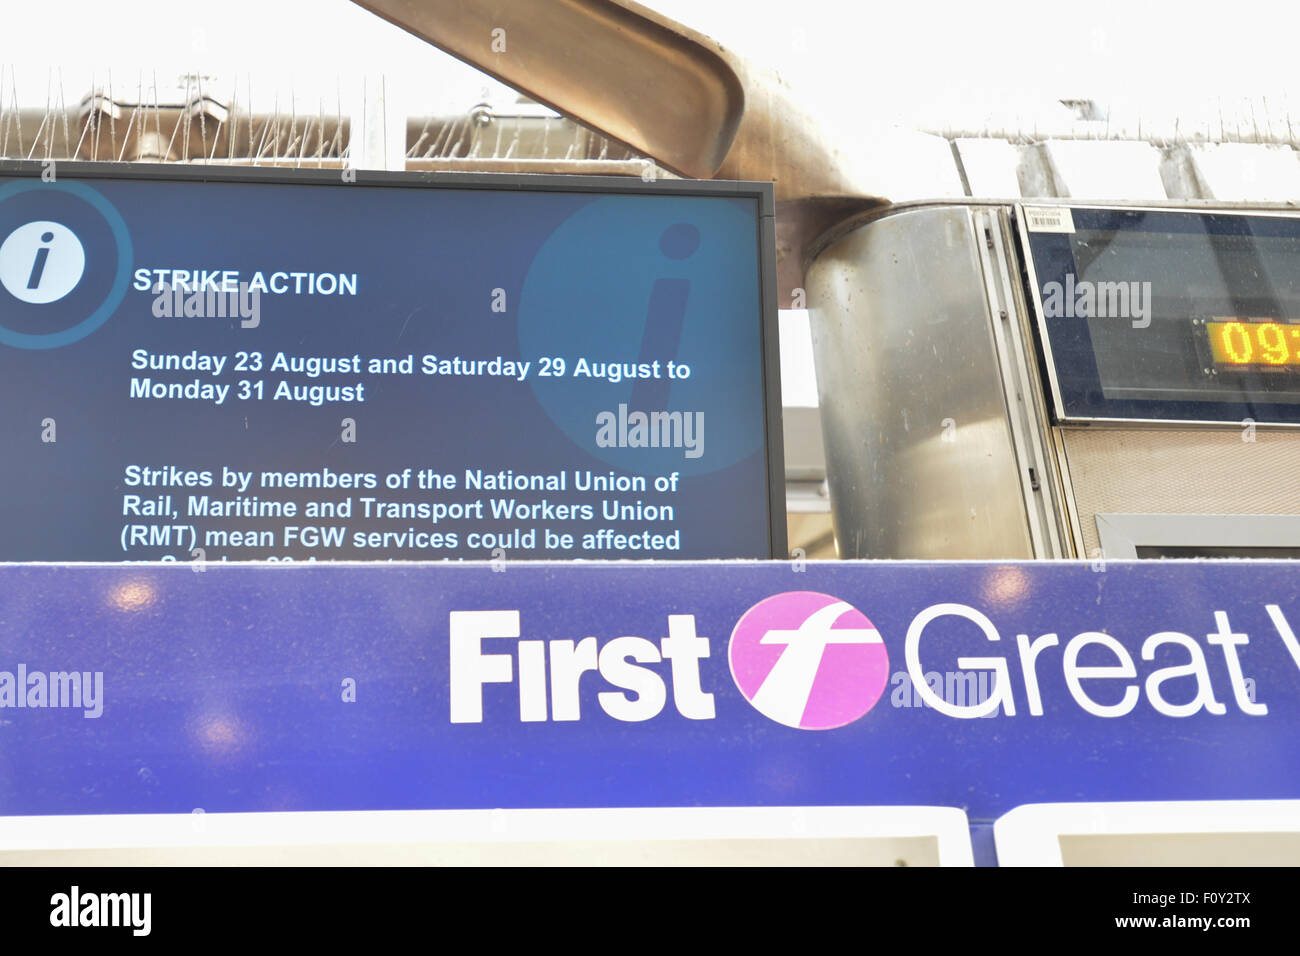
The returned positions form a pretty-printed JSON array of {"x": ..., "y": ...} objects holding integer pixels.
[
  {"x": 1027, "y": 413},
  {"x": 663, "y": 90},
  {"x": 920, "y": 457},
  {"x": 1183, "y": 470},
  {"x": 1122, "y": 534}
]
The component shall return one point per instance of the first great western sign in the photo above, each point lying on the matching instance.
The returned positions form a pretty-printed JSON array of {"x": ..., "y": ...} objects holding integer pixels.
[{"x": 982, "y": 686}]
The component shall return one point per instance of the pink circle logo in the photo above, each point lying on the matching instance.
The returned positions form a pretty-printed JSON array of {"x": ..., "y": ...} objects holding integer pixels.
[{"x": 808, "y": 660}]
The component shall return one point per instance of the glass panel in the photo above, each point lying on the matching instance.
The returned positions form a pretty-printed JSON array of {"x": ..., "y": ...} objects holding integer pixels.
[{"x": 1172, "y": 315}]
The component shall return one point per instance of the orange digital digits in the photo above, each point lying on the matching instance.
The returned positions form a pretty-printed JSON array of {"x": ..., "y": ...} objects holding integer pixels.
[{"x": 1238, "y": 343}]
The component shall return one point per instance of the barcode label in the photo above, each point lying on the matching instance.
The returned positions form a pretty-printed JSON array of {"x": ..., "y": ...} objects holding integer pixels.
[{"x": 1048, "y": 219}]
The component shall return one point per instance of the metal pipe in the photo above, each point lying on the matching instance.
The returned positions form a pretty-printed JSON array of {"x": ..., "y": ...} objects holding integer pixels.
[{"x": 662, "y": 89}]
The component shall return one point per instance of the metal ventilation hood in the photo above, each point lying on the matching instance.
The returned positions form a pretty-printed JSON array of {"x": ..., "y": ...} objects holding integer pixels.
[{"x": 667, "y": 91}]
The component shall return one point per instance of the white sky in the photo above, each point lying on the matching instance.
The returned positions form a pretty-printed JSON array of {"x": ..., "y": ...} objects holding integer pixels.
[{"x": 888, "y": 60}]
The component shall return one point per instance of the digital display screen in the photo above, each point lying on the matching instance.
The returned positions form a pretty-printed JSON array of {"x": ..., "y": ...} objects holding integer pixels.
[
  {"x": 1168, "y": 315},
  {"x": 1245, "y": 343},
  {"x": 258, "y": 365}
]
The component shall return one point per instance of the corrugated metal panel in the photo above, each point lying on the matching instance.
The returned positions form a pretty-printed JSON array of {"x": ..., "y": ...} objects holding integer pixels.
[
  {"x": 990, "y": 166},
  {"x": 1246, "y": 171},
  {"x": 207, "y": 119},
  {"x": 1106, "y": 170}
]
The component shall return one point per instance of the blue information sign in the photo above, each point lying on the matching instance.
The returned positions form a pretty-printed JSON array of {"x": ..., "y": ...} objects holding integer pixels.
[
  {"x": 263, "y": 365},
  {"x": 981, "y": 686}
]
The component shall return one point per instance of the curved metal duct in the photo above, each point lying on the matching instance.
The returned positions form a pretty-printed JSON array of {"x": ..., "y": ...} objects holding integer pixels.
[{"x": 666, "y": 91}]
